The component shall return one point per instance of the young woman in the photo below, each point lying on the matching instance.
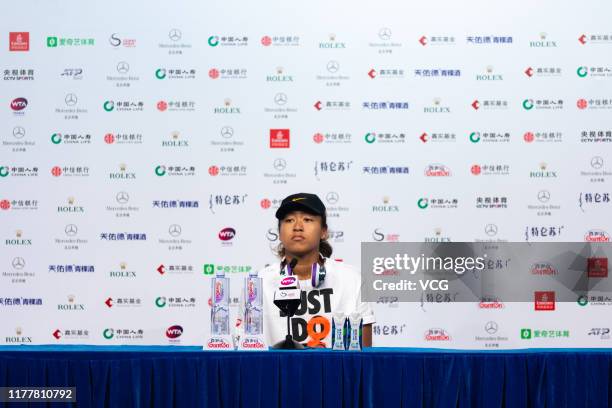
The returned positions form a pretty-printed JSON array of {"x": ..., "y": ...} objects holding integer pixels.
[{"x": 327, "y": 286}]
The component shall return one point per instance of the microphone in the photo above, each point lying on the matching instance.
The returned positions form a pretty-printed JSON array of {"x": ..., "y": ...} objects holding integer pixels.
[{"x": 288, "y": 298}]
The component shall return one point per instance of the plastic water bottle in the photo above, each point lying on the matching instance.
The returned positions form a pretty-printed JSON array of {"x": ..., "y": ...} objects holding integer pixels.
[
  {"x": 220, "y": 294},
  {"x": 253, "y": 311}
]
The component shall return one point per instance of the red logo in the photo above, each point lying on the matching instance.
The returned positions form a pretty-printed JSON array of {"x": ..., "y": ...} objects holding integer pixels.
[
  {"x": 545, "y": 300},
  {"x": 162, "y": 106},
  {"x": 19, "y": 104},
  {"x": 597, "y": 267},
  {"x": 318, "y": 105},
  {"x": 227, "y": 234},
  {"x": 174, "y": 332},
  {"x": 476, "y": 105},
  {"x": 318, "y": 138},
  {"x": 161, "y": 269},
  {"x": 266, "y": 41},
  {"x": 582, "y": 104},
  {"x": 476, "y": 169},
  {"x": 109, "y": 302},
  {"x": 109, "y": 138},
  {"x": 5, "y": 204},
  {"x": 265, "y": 203},
  {"x": 279, "y": 138},
  {"x": 57, "y": 334},
  {"x": 528, "y": 137},
  {"x": 289, "y": 280},
  {"x": 19, "y": 41},
  {"x": 529, "y": 72},
  {"x": 56, "y": 171},
  {"x": 213, "y": 73},
  {"x": 213, "y": 170}
]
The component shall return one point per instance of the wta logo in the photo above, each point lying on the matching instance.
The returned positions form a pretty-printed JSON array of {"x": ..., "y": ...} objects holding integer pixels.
[
  {"x": 19, "y": 104},
  {"x": 174, "y": 332}
]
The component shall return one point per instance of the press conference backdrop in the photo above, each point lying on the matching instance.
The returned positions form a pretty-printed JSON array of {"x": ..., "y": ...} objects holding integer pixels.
[{"x": 147, "y": 145}]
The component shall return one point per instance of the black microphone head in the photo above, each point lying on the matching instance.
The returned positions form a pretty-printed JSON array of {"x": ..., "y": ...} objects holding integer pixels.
[{"x": 293, "y": 262}]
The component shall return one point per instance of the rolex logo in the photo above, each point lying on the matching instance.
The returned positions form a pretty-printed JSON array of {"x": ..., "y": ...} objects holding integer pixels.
[
  {"x": 227, "y": 102},
  {"x": 332, "y": 37},
  {"x": 123, "y": 265},
  {"x": 489, "y": 69},
  {"x": 71, "y": 200},
  {"x": 175, "y": 135},
  {"x": 438, "y": 231},
  {"x": 19, "y": 233},
  {"x": 542, "y": 36},
  {"x": 122, "y": 167},
  {"x": 386, "y": 199},
  {"x": 436, "y": 101},
  {"x": 279, "y": 70},
  {"x": 542, "y": 166},
  {"x": 70, "y": 298},
  {"x": 18, "y": 331}
]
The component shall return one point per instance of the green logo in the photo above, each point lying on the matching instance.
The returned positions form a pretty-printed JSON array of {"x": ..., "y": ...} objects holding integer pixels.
[
  {"x": 160, "y": 170},
  {"x": 51, "y": 41},
  {"x": 56, "y": 138},
  {"x": 582, "y": 72},
  {"x": 109, "y": 106},
  {"x": 213, "y": 40},
  {"x": 528, "y": 104},
  {"x": 3, "y": 171},
  {"x": 525, "y": 334},
  {"x": 108, "y": 333},
  {"x": 474, "y": 137},
  {"x": 160, "y": 73},
  {"x": 209, "y": 269},
  {"x": 160, "y": 301},
  {"x": 423, "y": 203},
  {"x": 583, "y": 300},
  {"x": 370, "y": 138}
]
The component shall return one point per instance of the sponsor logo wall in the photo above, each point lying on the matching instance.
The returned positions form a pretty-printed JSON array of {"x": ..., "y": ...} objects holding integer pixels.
[{"x": 135, "y": 162}]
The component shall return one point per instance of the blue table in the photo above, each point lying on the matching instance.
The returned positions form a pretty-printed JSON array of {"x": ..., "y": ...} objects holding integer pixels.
[{"x": 132, "y": 376}]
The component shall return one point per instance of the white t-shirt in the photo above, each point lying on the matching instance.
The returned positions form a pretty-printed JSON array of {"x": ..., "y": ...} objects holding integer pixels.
[{"x": 311, "y": 325}]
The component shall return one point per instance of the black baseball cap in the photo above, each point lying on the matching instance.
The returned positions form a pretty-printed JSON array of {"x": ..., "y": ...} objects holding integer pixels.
[{"x": 306, "y": 202}]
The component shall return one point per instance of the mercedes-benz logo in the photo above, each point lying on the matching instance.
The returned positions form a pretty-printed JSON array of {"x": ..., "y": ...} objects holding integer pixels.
[
  {"x": 280, "y": 164},
  {"x": 175, "y": 34},
  {"x": 384, "y": 34},
  {"x": 70, "y": 99},
  {"x": 175, "y": 230},
  {"x": 280, "y": 98},
  {"x": 597, "y": 162},
  {"x": 333, "y": 66},
  {"x": 227, "y": 132},
  {"x": 18, "y": 263},
  {"x": 71, "y": 230},
  {"x": 332, "y": 197},
  {"x": 123, "y": 67},
  {"x": 491, "y": 229},
  {"x": 122, "y": 197},
  {"x": 18, "y": 132},
  {"x": 491, "y": 327},
  {"x": 543, "y": 196}
]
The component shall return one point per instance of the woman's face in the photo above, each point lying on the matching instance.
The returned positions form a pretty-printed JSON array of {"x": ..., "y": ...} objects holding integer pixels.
[{"x": 300, "y": 233}]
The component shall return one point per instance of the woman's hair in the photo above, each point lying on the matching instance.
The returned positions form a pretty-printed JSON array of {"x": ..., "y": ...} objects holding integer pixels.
[{"x": 325, "y": 247}]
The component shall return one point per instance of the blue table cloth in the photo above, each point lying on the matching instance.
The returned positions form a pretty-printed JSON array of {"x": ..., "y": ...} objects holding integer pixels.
[{"x": 132, "y": 376}]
